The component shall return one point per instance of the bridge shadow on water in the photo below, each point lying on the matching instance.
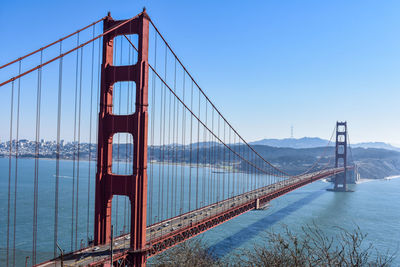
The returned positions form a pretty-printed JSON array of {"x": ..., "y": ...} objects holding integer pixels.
[{"x": 234, "y": 241}]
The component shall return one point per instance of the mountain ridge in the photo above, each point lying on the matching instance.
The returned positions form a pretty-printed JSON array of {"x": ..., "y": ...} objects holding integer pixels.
[{"x": 312, "y": 142}]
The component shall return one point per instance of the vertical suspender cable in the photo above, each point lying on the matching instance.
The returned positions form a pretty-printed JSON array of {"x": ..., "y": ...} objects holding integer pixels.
[
  {"x": 36, "y": 170},
  {"x": 253, "y": 177},
  {"x": 173, "y": 157},
  {"x": 204, "y": 160},
  {"x": 164, "y": 92},
  {"x": 240, "y": 170},
  {"x": 254, "y": 172},
  {"x": 207, "y": 161},
  {"x": 190, "y": 148},
  {"x": 209, "y": 168},
  {"x": 183, "y": 142},
  {"x": 183, "y": 156},
  {"x": 248, "y": 171},
  {"x": 74, "y": 145},
  {"x": 160, "y": 151},
  {"x": 214, "y": 160},
  {"x": 230, "y": 166},
  {"x": 237, "y": 164},
  {"x": 197, "y": 157},
  {"x": 169, "y": 215},
  {"x": 90, "y": 141},
  {"x": 174, "y": 147},
  {"x": 98, "y": 93},
  {"x": 151, "y": 154},
  {"x": 224, "y": 163},
  {"x": 182, "y": 197},
  {"x": 164, "y": 135},
  {"x": 245, "y": 174},
  {"x": 56, "y": 190},
  {"x": 220, "y": 163},
  {"x": 152, "y": 119},
  {"x": 79, "y": 150},
  {"x": 9, "y": 173},
  {"x": 16, "y": 162}
]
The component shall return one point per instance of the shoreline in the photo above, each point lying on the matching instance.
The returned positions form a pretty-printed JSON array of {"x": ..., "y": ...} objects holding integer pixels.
[
  {"x": 223, "y": 168},
  {"x": 391, "y": 177},
  {"x": 387, "y": 178}
]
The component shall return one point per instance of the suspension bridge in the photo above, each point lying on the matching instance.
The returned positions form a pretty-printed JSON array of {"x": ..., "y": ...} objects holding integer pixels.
[{"x": 142, "y": 159}]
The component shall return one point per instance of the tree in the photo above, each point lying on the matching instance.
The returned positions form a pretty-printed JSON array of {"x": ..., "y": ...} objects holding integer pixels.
[
  {"x": 191, "y": 253},
  {"x": 311, "y": 247}
]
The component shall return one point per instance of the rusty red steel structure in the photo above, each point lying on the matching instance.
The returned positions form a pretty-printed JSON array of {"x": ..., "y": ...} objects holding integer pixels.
[{"x": 108, "y": 184}]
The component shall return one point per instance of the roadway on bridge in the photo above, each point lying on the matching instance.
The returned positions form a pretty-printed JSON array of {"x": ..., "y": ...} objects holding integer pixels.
[{"x": 156, "y": 231}]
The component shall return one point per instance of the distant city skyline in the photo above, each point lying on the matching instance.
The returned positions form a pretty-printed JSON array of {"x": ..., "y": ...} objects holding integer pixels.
[
  {"x": 63, "y": 142},
  {"x": 304, "y": 64}
]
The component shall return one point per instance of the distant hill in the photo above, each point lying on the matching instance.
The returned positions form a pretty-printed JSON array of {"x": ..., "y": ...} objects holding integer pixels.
[
  {"x": 372, "y": 162},
  {"x": 381, "y": 145},
  {"x": 312, "y": 142},
  {"x": 305, "y": 142}
]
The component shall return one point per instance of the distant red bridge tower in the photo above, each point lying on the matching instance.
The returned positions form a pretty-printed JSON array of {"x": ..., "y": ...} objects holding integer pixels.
[{"x": 341, "y": 156}]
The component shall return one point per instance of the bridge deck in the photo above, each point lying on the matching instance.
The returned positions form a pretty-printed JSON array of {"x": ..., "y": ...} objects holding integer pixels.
[{"x": 166, "y": 234}]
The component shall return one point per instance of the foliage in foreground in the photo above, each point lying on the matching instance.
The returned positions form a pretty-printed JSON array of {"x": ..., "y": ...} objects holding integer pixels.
[
  {"x": 188, "y": 254},
  {"x": 311, "y": 248}
]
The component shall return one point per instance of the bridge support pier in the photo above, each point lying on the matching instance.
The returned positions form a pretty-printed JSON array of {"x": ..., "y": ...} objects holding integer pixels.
[
  {"x": 257, "y": 204},
  {"x": 109, "y": 184}
]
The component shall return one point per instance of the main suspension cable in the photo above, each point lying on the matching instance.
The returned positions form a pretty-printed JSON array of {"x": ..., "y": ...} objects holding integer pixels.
[
  {"x": 51, "y": 44},
  {"x": 69, "y": 51}
]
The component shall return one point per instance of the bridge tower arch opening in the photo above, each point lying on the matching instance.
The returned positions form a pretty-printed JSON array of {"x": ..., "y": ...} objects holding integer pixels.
[
  {"x": 341, "y": 156},
  {"x": 109, "y": 184}
]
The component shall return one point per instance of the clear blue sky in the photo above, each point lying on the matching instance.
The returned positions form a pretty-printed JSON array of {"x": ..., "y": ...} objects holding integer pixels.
[{"x": 265, "y": 64}]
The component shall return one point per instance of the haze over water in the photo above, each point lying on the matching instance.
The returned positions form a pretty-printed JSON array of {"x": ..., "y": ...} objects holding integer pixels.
[{"x": 373, "y": 207}]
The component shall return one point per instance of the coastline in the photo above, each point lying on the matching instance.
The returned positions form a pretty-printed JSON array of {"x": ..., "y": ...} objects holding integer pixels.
[
  {"x": 220, "y": 168},
  {"x": 392, "y": 177},
  {"x": 387, "y": 178}
]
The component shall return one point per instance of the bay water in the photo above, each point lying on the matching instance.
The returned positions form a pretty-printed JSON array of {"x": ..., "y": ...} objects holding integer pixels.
[{"x": 373, "y": 206}]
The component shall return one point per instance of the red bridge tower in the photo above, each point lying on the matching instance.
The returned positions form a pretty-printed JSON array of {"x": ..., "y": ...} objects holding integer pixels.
[
  {"x": 341, "y": 155},
  {"x": 108, "y": 184}
]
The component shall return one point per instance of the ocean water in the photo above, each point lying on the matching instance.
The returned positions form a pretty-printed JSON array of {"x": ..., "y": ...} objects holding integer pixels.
[{"x": 373, "y": 207}]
